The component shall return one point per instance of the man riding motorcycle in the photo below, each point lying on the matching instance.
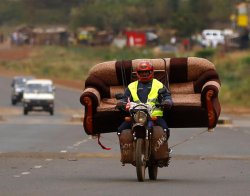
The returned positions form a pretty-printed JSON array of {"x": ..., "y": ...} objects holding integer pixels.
[{"x": 146, "y": 90}]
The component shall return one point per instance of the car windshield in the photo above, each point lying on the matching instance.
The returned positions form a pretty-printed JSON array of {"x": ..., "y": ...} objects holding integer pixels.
[
  {"x": 20, "y": 82},
  {"x": 39, "y": 88}
]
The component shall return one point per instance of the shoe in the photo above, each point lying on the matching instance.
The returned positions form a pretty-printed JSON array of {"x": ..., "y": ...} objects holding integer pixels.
[{"x": 170, "y": 151}]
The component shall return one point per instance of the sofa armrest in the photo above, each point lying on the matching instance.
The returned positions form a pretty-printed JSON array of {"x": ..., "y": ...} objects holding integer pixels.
[
  {"x": 210, "y": 100},
  {"x": 90, "y": 98},
  {"x": 93, "y": 94},
  {"x": 211, "y": 85}
]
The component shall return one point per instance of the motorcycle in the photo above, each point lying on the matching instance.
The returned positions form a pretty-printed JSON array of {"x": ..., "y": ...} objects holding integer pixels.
[{"x": 145, "y": 144}]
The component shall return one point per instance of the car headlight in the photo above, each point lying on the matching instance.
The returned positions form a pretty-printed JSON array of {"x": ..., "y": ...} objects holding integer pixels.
[
  {"x": 140, "y": 117},
  {"x": 26, "y": 100},
  {"x": 50, "y": 101},
  {"x": 18, "y": 90}
]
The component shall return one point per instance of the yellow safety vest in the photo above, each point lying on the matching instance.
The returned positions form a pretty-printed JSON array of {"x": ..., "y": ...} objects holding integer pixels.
[{"x": 152, "y": 96}]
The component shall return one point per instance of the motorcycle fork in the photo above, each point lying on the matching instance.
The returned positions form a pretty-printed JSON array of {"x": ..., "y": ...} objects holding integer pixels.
[{"x": 146, "y": 147}]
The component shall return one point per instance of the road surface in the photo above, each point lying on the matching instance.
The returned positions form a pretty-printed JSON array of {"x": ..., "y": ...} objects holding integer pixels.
[{"x": 51, "y": 155}]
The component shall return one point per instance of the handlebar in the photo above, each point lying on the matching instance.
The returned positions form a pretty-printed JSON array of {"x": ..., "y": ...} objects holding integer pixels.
[
  {"x": 159, "y": 105},
  {"x": 135, "y": 106}
]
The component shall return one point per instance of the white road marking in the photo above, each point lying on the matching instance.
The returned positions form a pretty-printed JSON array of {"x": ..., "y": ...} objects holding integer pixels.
[
  {"x": 62, "y": 151},
  {"x": 38, "y": 166},
  {"x": 76, "y": 144},
  {"x": 25, "y": 173},
  {"x": 48, "y": 159},
  {"x": 79, "y": 142}
]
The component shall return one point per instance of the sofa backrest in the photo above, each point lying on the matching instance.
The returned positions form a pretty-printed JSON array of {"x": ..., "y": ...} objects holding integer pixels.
[{"x": 184, "y": 75}]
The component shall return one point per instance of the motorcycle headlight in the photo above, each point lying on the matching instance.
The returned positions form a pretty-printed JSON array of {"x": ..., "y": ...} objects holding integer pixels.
[{"x": 140, "y": 117}]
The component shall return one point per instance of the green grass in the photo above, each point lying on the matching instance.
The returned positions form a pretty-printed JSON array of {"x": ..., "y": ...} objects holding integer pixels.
[
  {"x": 234, "y": 72},
  {"x": 70, "y": 62}
]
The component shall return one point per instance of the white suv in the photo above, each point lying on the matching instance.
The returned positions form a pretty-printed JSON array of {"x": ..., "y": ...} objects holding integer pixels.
[
  {"x": 212, "y": 38},
  {"x": 38, "y": 95}
]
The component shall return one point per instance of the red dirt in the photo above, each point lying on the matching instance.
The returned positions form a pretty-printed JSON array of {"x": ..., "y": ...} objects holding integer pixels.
[{"x": 15, "y": 53}]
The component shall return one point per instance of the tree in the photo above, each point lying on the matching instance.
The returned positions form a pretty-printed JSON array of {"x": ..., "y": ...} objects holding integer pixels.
[
  {"x": 221, "y": 10},
  {"x": 10, "y": 12},
  {"x": 185, "y": 16}
]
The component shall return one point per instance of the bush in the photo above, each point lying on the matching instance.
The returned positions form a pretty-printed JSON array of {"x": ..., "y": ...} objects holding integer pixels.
[
  {"x": 234, "y": 75},
  {"x": 206, "y": 53}
]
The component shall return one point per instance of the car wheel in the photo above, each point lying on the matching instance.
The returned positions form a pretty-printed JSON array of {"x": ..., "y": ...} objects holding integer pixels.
[
  {"x": 51, "y": 112},
  {"x": 25, "y": 111},
  {"x": 13, "y": 102}
]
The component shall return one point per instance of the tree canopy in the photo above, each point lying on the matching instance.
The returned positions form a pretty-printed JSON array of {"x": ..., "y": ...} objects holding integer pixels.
[{"x": 185, "y": 16}]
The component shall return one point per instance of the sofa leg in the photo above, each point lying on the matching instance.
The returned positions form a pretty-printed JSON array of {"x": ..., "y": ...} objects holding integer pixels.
[
  {"x": 210, "y": 109},
  {"x": 88, "y": 124}
]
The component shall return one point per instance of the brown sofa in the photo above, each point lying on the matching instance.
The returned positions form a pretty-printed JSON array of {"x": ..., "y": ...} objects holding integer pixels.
[{"x": 193, "y": 82}]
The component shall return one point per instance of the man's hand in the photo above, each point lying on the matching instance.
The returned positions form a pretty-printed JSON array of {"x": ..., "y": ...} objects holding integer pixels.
[
  {"x": 120, "y": 105},
  {"x": 167, "y": 104},
  {"x": 127, "y": 106}
]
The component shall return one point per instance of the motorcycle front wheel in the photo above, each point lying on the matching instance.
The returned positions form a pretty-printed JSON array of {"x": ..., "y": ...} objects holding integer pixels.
[
  {"x": 152, "y": 172},
  {"x": 139, "y": 160}
]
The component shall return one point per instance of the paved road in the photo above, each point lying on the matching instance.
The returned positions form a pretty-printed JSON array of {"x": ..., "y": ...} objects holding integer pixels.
[{"x": 50, "y": 155}]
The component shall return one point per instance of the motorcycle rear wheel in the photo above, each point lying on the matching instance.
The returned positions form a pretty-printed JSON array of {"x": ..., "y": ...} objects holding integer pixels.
[
  {"x": 139, "y": 160},
  {"x": 152, "y": 172}
]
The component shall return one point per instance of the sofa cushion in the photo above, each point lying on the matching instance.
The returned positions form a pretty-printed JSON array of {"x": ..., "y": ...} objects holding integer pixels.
[
  {"x": 178, "y": 100},
  {"x": 182, "y": 88},
  {"x": 176, "y": 88},
  {"x": 186, "y": 99}
]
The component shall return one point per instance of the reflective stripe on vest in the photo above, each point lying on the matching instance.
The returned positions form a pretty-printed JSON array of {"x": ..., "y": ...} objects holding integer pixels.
[{"x": 152, "y": 96}]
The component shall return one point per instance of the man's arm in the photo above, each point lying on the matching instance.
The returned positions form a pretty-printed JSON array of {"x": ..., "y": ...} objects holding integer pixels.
[
  {"x": 121, "y": 104},
  {"x": 127, "y": 94},
  {"x": 165, "y": 98}
]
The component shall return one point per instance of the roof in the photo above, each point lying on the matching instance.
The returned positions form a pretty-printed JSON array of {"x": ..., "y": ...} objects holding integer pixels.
[
  {"x": 22, "y": 79},
  {"x": 40, "y": 81}
]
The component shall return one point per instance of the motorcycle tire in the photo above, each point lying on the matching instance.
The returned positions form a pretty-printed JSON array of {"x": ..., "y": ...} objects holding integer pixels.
[
  {"x": 152, "y": 172},
  {"x": 139, "y": 160}
]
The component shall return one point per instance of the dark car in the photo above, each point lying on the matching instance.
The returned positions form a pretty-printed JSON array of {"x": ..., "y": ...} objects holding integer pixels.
[{"x": 18, "y": 84}]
